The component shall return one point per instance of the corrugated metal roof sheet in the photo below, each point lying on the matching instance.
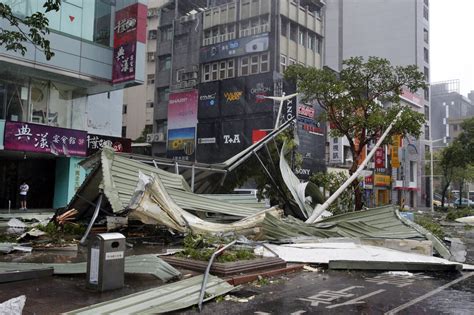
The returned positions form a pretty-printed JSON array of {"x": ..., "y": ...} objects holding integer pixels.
[
  {"x": 381, "y": 222},
  {"x": 167, "y": 298},
  {"x": 146, "y": 264}
]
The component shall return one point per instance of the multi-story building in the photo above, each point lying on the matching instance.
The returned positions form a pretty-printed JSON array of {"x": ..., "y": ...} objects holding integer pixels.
[
  {"x": 449, "y": 108},
  {"x": 217, "y": 63},
  {"x": 138, "y": 101},
  {"x": 398, "y": 31},
  {"x": 53, "y": 113}
]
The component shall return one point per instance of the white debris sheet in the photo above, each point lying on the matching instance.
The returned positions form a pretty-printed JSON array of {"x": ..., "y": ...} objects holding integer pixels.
[
  {"x": 323, "y": 253},
  {"x": 468, "y": 220},
  {"x": 13, "y": 306}
]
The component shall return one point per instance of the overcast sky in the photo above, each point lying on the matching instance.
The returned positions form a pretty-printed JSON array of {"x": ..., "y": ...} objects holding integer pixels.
[{"x": 452, "y": 42}]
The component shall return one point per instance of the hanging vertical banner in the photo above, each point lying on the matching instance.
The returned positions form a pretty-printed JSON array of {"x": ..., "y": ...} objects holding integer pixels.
[
  {"x": 335, "y": 150},
  {"x": 380, "y": 158},
  {"x": 182, "y": 121},
  {"x": 395, "y": 146},
  {"x": 129, "y": 42}
]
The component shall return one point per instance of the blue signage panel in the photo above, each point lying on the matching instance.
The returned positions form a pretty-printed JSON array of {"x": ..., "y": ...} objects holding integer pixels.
[{"x": 234, "y": 48}]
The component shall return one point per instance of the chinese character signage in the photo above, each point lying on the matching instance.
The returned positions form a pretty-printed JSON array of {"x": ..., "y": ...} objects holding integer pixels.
[
  {"x": 234, "y": 48},
  {"x": 97, "y": 142},
  {"x": 30, "y": 137},
  {"x": 395, "y": 145},
  {"x": 182, "y": 121},
  {"x": 335, "y": 150},
  {"x": 129, "y": 34},
  {"x": 382, "y": 180},
  {"x": 380, "y": 158}
]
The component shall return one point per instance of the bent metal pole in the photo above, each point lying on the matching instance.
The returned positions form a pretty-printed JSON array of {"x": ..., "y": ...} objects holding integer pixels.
[{"x": 320, "y": 208}]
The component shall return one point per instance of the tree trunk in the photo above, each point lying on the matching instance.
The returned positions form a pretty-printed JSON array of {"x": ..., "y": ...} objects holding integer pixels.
[
  {"x": 461, "y": 185},
  {"x": 358, "y": 201},
  {"x": 443, "y": 194}
]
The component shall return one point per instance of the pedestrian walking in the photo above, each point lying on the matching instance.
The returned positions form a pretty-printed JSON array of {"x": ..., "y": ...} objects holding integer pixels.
[{"x": 23, "y": 194}]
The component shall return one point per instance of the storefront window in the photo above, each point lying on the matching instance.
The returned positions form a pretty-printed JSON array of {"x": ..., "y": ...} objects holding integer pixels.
[
  {"x": 13, "y": 100},
  {"x": 39, "y": 101}
]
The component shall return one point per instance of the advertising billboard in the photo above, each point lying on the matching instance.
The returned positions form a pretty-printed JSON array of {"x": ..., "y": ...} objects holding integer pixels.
[
  {"x": 234, "y": 48},
  {"x": 257, "y": 88},
  {"x": 182, "y": 121},
  {"x": 209, "y": 105},
  {"x": 28, "y": 137},
  {"x": 129, "y": 36},
  {"x": 232, "y": 95}
]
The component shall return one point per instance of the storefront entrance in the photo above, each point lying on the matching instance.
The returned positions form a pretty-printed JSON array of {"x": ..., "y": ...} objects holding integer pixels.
[{"x": 39, "y": 174}]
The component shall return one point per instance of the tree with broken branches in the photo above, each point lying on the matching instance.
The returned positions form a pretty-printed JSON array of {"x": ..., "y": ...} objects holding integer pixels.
[
  {"x": 27, "y": 29},
  {"x": 361, "y": 101}
]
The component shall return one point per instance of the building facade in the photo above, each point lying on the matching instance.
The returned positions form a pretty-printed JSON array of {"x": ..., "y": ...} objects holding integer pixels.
[
  {"x": 398, "y": 31},
  {"x": 449, "y": 108},
  {"x": 53, "y": 113},
  {"x": 138, "y": 101},
  {"x": 218, "y": 61}
]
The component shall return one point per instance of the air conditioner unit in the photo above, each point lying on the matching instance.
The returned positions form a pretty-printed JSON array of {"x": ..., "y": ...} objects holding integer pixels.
[
  {"x": 191, "y": 83},
  {"x": 194, "y": 75},
  {"x": 155, "y": 137}
]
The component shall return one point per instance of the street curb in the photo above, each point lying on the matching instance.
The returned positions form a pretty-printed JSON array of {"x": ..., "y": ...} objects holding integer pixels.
[{"x": 241, "y": 279}]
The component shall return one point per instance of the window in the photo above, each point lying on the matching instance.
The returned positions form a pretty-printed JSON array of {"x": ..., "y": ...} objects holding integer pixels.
[
  {"x": 163, "y": 94},
  {"x": 426, "y": 36},
  {"x": 311, "y": 44},
  {"x": 427, "y": 132},
  {"x": 301, "y": 38},
  {"x": 124, "y": 131},
  {"x": 179, "y": 74},
  {"x": 284, "y": 27},
  {"x": 293, "y": 32},
  {"x": 150, "y": 79},
  {"x": 244, "y": 66},
  {"x": 150, "y": 57},
  {"x": 166, "y": 33},
  {"x": 206, "y": 73},
  {"x": 165, "y": 63},
  {"x": 426, "y": 55},
  {"x": 254, "y": 64},
  {"x": 282, "y": 63},
  {"x": 425, "y": 13},
  {"x": 124, "y": 109},
  {"x": 455, "y": 127},
  {"x": 214, "y": 70},
  {"x": 412, "y": 171},
  {"x": 319, "y": 44},
  {"x": 220, "y": 70},
  {"x": 427, "y": 113},
  {"x": 152, "y": 34},
  {"x": 149, "y": 104},
  {"x": 426, "y": 72},
  {"x": 264, "y": 63},
  {"x": 427, "y": 94}
]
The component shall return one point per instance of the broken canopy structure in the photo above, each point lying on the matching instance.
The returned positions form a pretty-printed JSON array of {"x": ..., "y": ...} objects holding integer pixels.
[{"x": 376, "y": 223}]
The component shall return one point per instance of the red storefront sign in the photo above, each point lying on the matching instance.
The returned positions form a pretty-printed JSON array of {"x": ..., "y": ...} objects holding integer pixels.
[
  {"x": 129, "y": 30},
  {"x": 258, "y": 135},
  {"x": 380, "y": 158}
]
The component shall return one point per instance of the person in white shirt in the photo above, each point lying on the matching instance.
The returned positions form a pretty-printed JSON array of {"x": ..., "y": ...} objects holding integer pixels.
[{"x": 23, "y": 194}]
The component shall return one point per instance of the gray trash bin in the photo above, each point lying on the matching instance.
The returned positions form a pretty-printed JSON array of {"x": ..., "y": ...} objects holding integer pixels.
[{"x": 106, "y": 262}]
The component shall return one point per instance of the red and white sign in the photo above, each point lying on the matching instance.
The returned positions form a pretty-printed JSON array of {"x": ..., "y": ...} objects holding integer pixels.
[
  {"x": 380, "y": 158},
  {"x": 412, "y": 97},
  {"x": 129, "y": 31}
]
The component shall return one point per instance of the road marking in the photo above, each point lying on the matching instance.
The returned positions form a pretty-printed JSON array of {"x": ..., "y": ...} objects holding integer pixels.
[
  {"x": 298, "y": 313},
  {"x": 427, "y": 295},
  {"x": 357, "y": 300},
  {"x": 262, "y": 313}
]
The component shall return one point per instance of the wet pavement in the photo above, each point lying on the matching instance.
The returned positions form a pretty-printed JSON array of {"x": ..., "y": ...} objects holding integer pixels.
[{"x": 343, "y": 292}]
